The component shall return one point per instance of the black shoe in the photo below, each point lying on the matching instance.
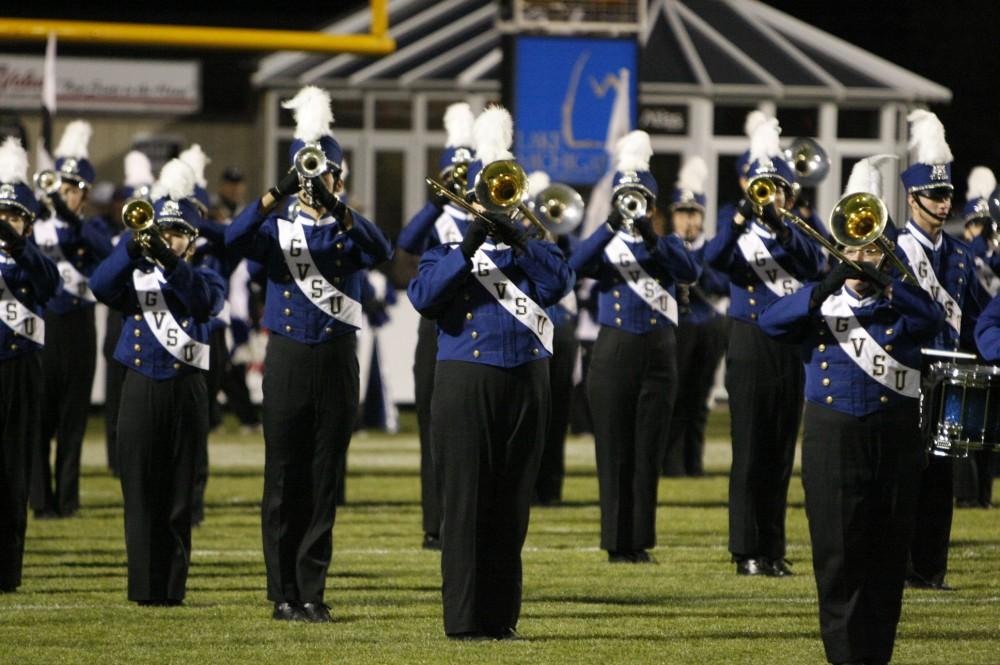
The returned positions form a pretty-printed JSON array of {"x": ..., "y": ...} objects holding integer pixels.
[
  {"x": 918, "y": 582},
  {"x": 160, "y": 602},
  {"x": 753, "y": 566},
  {"x": 8, "y": 589},
  {"x": 621, "y": 557},
  {"x": 46, "y": 515},
  {"x": 642, "y": 556},
  {"x": 506, "y": 634},
  {"x": 288, "y": 612},
  {"x": 779, "y": 568},
  {"x": 471, "y": 636},
  {"x": 317, "y": 612},
  {"x": 432, "y": 542}
]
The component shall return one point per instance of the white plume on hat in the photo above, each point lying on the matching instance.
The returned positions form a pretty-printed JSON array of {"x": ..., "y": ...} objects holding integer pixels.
[
  {"x": 866, "y": 176},
  {"x": 537, "y": 181},
  {"x": 13, "y": 161},
  {"x": 754, "y": 120},
  {"x": 927, "y": 138},
  {"x": 493, "y": 132},
  {"x": 138, "y": 169},
  {"x": 176, "y": 181},
  {"x": 692, "y": 175},
  {"x": 313, "y": 115},
  {"x": 75, "y": 140},
  {"x": 764, "y": 142},
  {"x": 982, "y": 182},
  {"x": 632, "y": 151},
  {"x": 196, "y": 158},
  {"x": 458, "y": 121}
]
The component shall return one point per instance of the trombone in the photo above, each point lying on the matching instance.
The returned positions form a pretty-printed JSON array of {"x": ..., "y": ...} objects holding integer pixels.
[
  {"x": 860, "y": 219},
  {"x": 500, "y": 188},
  {"x": 761, "y": 191}
]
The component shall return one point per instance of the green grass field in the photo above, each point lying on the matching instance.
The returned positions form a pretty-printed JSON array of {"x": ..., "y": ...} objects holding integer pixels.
[{"x": 690, "y": 609}]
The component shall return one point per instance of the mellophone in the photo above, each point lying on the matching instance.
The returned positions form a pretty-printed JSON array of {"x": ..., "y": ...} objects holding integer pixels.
[{"x": 960, "y": 406}]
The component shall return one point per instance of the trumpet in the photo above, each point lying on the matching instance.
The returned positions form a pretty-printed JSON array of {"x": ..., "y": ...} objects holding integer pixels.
[
  {"x": 631, "y": 204},
  {"x": 309, "y": 162},
  {"x": 560, "y": 207},
  {"x": 138, "y": 216},
  {"x": 48, "y": 181},
  {"x": 761, "y": 191},
  {"x": 860, "y": 219}
]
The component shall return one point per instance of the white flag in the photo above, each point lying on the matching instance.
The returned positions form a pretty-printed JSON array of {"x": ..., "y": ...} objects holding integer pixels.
[
  {"x": 43, "y": 158},
  {"x": 619, "y": 124}
]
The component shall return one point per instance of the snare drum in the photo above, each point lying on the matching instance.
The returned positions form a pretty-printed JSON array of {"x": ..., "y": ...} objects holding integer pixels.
[{"x": 961, "y": 410}]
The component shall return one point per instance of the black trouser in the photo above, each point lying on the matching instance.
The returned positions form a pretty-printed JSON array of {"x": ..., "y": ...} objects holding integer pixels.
[
  {"x": 580, "y": 421},
  {"x": 68, "y": 362},
  {"x": 860, "y": 477},
  {"x": 699, "y": 350},
  {"x": 631, "y": 386},
  {"x": 114, "y": 374},
  {"x": 310, "y": 402},
  {"x": 548, "y": 487},
  {"x": 765, "y": 382},
  {"x": 932, "y": 532},
  {"x": 216, "y": 375},
  {"x": 159, "y": 426},
  {"x": 424, "y": 362},
  {"x": 491, "y": 424},
  {"x": 974, "y": 479},
  {"x": 20, "y": 394},
  {"x": 238, "y": 395}
]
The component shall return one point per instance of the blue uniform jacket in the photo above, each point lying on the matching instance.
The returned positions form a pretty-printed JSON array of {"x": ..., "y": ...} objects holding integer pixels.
[
  {"x": 472, "y": 325},
  {"x": 712, "y": 282},
  {"x": 748, "y": 294},
  {"x": 339, "y": 255},
  {"x": 192, "y": 294},
  {"x": 420, "y": 233},
  {"x": 34, "y": 280},
  {"x": 988, "y": 332},
  {"x": 954, "y": 264},
  {"x": 84, "y": 246},
  {"x": 560, "y": 315},
  {"x": 901, "y": 326},
  {"x": 618, "y": 306}
]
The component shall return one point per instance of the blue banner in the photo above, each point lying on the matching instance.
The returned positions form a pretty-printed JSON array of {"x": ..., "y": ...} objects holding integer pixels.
[{"x": 565, "y": 91}]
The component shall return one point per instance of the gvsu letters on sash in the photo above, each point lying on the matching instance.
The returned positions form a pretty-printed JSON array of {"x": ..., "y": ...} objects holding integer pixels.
[
  {"x": 511, "y": 298},
  {"x": 161, "y": 321}
]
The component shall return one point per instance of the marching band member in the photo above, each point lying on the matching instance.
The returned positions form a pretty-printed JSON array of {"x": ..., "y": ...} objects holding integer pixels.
[
  {"x": 27, "y": 280},
  {"x": 438, "y": 222},
  {"x": 164, "y": 408},
  {"x": 945, "y": 268},
  {"x": 563, "y": 314},
  {"x": 69, "y": 358},
  {"x": 701, "y": 330},
  {"x": 765, "y": 258},
  {"x": 491, "y": 397},
  {"x": 973, "y": 475},
  {"x": 138, "y": 181},
  {"x": 633, "y": 372},
  {"x": 860, "y": 336},
  {"x": 313, "y": 265}
]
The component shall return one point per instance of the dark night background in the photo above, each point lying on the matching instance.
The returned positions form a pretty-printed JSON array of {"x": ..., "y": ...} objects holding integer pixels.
[{"x": 955, "y": 44}]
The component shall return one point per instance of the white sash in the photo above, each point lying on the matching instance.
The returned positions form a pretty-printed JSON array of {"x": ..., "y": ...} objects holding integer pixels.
[
  {"x": 987, "y": 278},
  {"x": 447, "y": 226},
  {"x": 19, "y": 318},
  {"x": 768, "y": 270},
  {"x": 325, "y": 296},
  {"x": 47, "y": 239},
  {"x": 161, "y": 321},
  {"x": 642, "y": 284},
  {"x": 924, "y": 273},
  {"x": 858, "y": 344},
  {"x": 511, "y": 298}
]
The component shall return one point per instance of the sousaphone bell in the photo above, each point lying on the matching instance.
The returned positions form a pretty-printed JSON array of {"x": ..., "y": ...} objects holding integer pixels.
[{"x": 560, "y": 208}]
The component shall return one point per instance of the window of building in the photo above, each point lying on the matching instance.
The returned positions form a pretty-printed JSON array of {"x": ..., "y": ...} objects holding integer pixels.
[
  {"x": 799, "y": 121},
  {"x": 729, "y": 120},
  {"x": 435, "y": 113},
  {"x": 393, "y": 114},
  {"x": 664, "y": 167},
  {"x": 390, "y": 186},
  {"x": 728, "y": 185},
  {"x": 858, "y": 123}
]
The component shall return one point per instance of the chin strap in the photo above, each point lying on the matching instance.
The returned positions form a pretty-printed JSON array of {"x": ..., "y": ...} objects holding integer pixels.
[{"x": 920, "y": 204}]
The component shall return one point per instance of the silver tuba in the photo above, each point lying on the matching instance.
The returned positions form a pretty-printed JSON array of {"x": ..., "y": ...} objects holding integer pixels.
[{"x": 809, "y": 161}]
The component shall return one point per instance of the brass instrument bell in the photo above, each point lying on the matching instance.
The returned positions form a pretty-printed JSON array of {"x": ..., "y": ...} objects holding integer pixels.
[
  {"x": 138, "y": 216},
  {"x": 860, "y": 219},
  {"x": 309, "y": 161},
  {"x": 761, "y": 190},
  {"x": 809, "y": 161},
  {"x": 560, "y": 208},
  {"x": 48, "y": 181}
]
